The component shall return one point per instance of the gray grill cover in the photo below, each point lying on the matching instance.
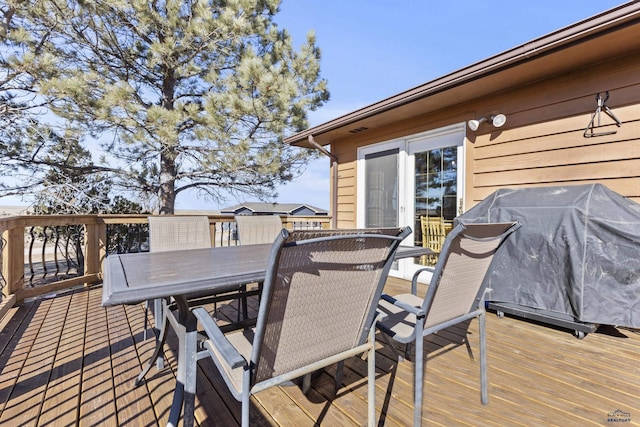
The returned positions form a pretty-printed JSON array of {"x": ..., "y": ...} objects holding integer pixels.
[{"x": 577, "y": 253}]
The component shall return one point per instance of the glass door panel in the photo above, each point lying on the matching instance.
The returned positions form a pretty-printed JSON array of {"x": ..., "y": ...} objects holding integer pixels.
[
  {"x": 436, "y": 197},
  {"x": 435, "y": 172},
  {"x": 381, "y": 189}
]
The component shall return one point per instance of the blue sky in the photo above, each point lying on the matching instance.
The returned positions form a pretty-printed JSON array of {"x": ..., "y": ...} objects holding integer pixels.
[{"x": 374, "y": 49}]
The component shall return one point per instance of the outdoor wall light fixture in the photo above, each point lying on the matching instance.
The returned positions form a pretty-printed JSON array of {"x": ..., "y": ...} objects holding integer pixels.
[{"x": 498, "y": 120}]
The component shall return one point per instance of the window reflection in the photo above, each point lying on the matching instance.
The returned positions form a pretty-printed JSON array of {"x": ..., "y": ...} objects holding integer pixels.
[{"x": 436, "y": 179}]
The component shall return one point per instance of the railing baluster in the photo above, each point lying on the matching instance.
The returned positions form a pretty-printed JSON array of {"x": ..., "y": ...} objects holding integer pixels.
[
  {"x": 67, "y": 257},
  {"x": 79, "y": 233},
  {"x": 56, "y": 233},
  {"x": 233, "y": 234},
  {"x": 43, "y": 253},
  {"x": 31, "y": 243},
  {"x": 135, "y": 244},
  {"x": 129, "y": 237},
  {"x": 143, "y": 233},
  {"x": 3, "y": 280}
]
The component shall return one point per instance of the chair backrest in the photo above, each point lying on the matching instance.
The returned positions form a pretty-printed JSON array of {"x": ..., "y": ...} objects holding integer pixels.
[
  {"x": 174, "y": 233},
  {"x": 320, "y": 295},
  {"x": 255, "y": 229},
  {"x": 433, "y": 232},
  {"x": 458, "y": 283}
]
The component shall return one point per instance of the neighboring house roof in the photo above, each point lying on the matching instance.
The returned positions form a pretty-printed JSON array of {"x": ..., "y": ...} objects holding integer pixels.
[
  {"x": 603, "y": 36},
  {"x": 252, "y": 208}
]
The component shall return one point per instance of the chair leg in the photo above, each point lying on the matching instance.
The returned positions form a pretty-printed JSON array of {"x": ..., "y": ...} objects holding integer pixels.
[
  {"x": 419, "y": 377},
  {"x": 371, "y": 379},
  {"x": 306, "y": 383},
  {"x": 371, "y": 386},
  {"x": 484, "y": 393},
  {"x": 246, "y": 397},
  {"x": 396, "y": 353},
  {"x": 245, "y": 308},
  {"x": 407, "y": 351},
  {"x": 239, "y": 316},
  {"x": 339, "y": 375}
]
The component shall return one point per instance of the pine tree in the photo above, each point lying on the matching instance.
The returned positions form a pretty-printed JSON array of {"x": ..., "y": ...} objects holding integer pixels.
[{"x": 178, "y": 94}]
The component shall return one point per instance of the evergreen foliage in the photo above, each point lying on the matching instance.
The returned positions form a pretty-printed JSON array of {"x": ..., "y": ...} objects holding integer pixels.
[{"x": 167, "y": 95}]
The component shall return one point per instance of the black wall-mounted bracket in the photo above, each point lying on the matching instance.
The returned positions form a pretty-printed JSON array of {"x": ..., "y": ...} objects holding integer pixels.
[{"x": 601, "y": 106}]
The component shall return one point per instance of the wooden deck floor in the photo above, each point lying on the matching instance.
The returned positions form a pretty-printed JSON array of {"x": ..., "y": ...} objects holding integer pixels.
[{"x": 67, "y": 361}]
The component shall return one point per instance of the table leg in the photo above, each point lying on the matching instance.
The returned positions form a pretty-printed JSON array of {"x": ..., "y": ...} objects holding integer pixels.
[
  {"x": 157, "y": 353},
  {"x": 185, "y": 392},
  {"x": 161, "y": 328}
]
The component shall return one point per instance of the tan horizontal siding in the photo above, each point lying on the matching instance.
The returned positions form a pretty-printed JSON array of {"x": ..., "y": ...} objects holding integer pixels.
[
  {"x": 556, "y": 152},
  {"x": 347, "y": 182},
  {"x": 571, "y": 94},
  {"x": 538, "y": 133},
  {"x": 346, "y": 197},
  {"x": 626, "y": 186},
  {"x": 543, "y": 143},
  {"x": 600, "y": 153},
  {"x": 345, "y": 191},
  {"x": 552, "y": 141},
  {"x": 567, "y": 173},
  {"x": 348, "y": 168},
  {"x": 346, "y": 221}
]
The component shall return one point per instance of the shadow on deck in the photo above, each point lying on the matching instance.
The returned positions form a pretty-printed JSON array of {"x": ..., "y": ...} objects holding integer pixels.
[{"x": 66, "y": 360}]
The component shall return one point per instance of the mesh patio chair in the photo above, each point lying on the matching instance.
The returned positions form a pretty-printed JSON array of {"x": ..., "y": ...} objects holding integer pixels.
[
  {"x": 175, "y": 233},
  {"x": 455, "y": 295},
  {"x": 253, "y": 230},
  {"x": 317, "y": 308}
]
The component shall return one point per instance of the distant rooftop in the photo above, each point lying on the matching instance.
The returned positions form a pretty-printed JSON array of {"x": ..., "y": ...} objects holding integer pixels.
[{"x": 255, "y": 208}]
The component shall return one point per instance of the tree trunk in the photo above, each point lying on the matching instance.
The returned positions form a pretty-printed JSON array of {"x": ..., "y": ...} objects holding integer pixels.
[
  {"x": 168, "y": 156},
  {"x": 167, "y": 191}
]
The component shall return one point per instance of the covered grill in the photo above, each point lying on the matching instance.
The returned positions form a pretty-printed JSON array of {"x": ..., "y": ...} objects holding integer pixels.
[{"x": 576, "y": 260}]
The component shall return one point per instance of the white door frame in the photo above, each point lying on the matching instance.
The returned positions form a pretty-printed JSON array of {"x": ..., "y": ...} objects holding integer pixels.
[
  {"x": 438, "y": 138},
  {"x": 407, "y": 147},
  {"x": 360, "y": 178}
]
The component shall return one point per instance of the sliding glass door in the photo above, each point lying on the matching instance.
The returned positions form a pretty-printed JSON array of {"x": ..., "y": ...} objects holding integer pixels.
[{"x": 415, "y": 181}]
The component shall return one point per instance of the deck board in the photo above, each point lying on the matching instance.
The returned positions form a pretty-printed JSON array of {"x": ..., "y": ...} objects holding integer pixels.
[
  {"x": 27, "y": 373},
  {"x": 68, "y": 361},
  {"x": 97, "y": 401},
  {"x": 61, "y": 398}
]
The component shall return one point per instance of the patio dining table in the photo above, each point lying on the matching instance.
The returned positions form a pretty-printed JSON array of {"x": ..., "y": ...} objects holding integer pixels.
[{"x": 134, "y": 278}]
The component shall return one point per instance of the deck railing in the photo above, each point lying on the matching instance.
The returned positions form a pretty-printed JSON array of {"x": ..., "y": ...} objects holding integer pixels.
[{"x": 42, "y": 254}]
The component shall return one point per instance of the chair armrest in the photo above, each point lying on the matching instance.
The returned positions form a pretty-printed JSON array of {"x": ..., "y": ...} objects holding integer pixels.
[
  {"x": 414, "y": 280},
  {"x": 418, "y": 311},
  {"x": 231, "y": 356},
  {"x": 380, "y": 317}
]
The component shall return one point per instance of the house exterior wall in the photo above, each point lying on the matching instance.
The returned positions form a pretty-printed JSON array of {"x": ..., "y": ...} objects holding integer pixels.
[{"x": 542, "y": 142}]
